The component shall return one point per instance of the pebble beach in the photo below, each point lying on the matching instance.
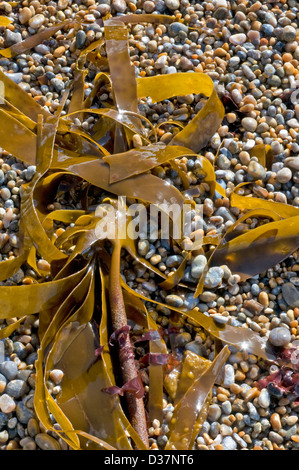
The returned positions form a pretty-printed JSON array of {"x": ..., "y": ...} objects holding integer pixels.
[{"x": 250, "y": 49}]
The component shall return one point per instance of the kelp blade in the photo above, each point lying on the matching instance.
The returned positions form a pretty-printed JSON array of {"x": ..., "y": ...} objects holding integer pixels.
[
  {"x": 187, "y": 410},
  {"x": 259, "y": 249}
]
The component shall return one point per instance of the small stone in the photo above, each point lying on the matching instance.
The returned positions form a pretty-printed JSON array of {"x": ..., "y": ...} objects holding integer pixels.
[
  {"x": 229, "y": 443},
  {"x": 172, "y": 4},
  {"x": 214, "y": 277},
  {"x": 59, "y": 51},
  {"x": 143, "y": 247},
  {"x": 58, "y": 84},
  {"x": 149, "y": 6},
  {"x": 27, "y": 443},
  {"x": 290, "y": 295},
  {"x": 47, "y": 442},
  {"x": 12, "y": 38},
  {"x": 33, "y": 427},
  {"x": 9, "y": 369},
  {"x": 174, "y": 300},
  {"x": 186, "y": 64},
  {"x": 25, "y": 15},
  {"x": 7, "y": 404},
  {"x": 275, "y": 422},
  {"x": 284, "y": 175},
  {"x": 238, "y": 39},
  {"x": 256, "y": 170},
  {"x": 289, "y": 33},
  {"x": 23, "y": 413},
  {"x": 37, "y": 21},
  {"x": 173, "y": 261},
  {"x": 292, "y": 162},
  {"x": 229, "y": 376},
  {"x": 119, "y": 5},
  {"x": 17, "y": 388},
  {"x": 56, "y": 375},
  {"x": 249, "y": 124},
  {"x": 177, "y": 27},
  {"x": 197, "y": 266},
  {"x": 208, "y": 296},
  {"x": 280, "y": 336},
  {"x": 214, "y": 412},
  {"x": 264, "y": 398},
  {"x": 80, "y": 39},
  {"x": 294, "y": 123},
  {"x": 4, "y": 436}
]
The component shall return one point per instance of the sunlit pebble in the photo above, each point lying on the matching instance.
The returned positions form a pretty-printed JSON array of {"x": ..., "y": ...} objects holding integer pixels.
[
  {"x": 56, "y": 375},
  {"x": 238, "y": 39}
]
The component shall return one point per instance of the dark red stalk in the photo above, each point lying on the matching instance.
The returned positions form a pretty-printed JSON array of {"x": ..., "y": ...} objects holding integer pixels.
[{"x": 127, "y": 361}]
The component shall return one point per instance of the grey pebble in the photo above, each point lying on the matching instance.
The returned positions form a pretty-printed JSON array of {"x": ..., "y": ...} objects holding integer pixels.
[
  {"x": 229, "y": 443},
  {"x": 9, "y": 369},
  {"x": 23, "y": 413},
  {"x": 17, "y": 388},
  {"x": 197, "y": 266},
  {"x": 280, "y": 336},
  {"x": 214, "y": 277},
  {"x": 290, "y": 294},
  {"x": 80, "y": 39}
]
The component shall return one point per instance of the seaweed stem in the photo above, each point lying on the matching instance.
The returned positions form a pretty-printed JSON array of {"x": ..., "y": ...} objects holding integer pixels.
[{"x": 127, "y": 362}]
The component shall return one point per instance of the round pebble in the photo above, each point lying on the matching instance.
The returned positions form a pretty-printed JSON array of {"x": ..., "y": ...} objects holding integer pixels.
[{"x": 280, "y": 336}]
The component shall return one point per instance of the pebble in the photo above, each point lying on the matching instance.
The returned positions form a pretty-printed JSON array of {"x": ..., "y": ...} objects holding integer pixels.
[
  {"x": 7, "y": 403},
  {"x": 198, "y": 265},
  {"x": 229, "y": 443},
  {"x": 249, "y": 124},
  {"x": 214, "y": 277},
  {"x": 119, "y": 5},
  {"x": 46, "y": 442},
  {"x": 280, "y": 336},
  {"x": 37, "y": 21},
  {"x": 17, "y": 388},
  {"x": 289, "y": 33},
  {"x": 25, "y": 15},
  {"x": 80, "y": 39},
  {"x": 290, "y": 295},
  {"x": 284, "y": 175},
  {"x": 238, "y": 39},
  {"x": 264, "y": 398},
  {"x": 172, "y": 4},
  {"x": 174, "y": 300},
  {"x": 9, "y": 369},
  {"x": 256, "y": 170}
]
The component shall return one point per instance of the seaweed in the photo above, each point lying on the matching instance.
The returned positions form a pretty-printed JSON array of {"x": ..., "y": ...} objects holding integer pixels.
[{"x": 84, "y": 306}]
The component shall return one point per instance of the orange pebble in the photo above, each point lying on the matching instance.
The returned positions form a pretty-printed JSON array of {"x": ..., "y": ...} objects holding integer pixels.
[{"x": 287, "y": 57}]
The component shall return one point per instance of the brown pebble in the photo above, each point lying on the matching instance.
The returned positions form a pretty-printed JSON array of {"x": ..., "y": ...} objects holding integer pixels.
[{"x": 59, "y": 51}]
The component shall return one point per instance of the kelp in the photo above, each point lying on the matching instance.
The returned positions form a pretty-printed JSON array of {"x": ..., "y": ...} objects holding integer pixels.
[{"x": 86, "y": 310}]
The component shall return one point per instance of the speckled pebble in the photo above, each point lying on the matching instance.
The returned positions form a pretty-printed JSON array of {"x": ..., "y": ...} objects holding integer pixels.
[{"x": 280, "y": 336}]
